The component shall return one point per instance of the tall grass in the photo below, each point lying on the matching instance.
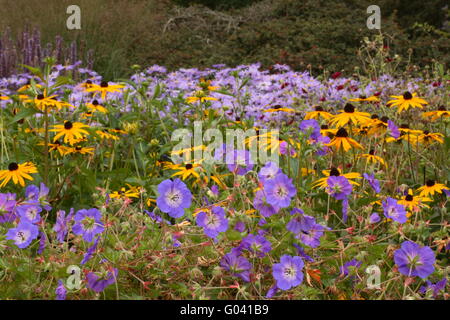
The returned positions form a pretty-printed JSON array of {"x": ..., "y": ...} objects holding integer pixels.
[{"x": 113, "y": 29}]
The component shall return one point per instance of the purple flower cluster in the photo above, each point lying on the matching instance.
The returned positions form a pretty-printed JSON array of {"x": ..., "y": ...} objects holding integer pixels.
[
  {"x": 340, "y": 188},
  {"x": 305, "y": 228},
  {"x": 393, "y": 210}
]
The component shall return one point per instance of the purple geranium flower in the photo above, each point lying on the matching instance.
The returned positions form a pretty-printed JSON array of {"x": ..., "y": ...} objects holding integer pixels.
[
  {"x": 300, "y": 222},
  {"x": 239, "y": 162},
  {"x": 352, "y": 263},
  {"x": 238, "y": 265},
  {"x": 374, "y": 218},
  {"x": 272, "y": 291},
  {"x": 393, "y": 210},
  {"x": 374, "y": 183},
  {"x": 90, "y": 251},
  {"x": 260, "y": 204},
  {"x": 23, "y": 234},
  {"x": 414, "y": 260},
  {"x": 60, "y": 291},
  {"x": 269, "y": 171},
  {"x": 301, "y": 252},
  {"x": 288, "y": 273},
  {"x": 39, "y": 195},
  {"x": 338, "y": 187},
  {"x": 61, "y": 226},
  {"x": 436, "y": 288},
  {"x": 312, "y": 236},
  {"x": 213, "y": 222},
  {"x": 310, "y": 126},
  {"x": 88, "y": 224},
  {"x": 279, "y": 191},
  {"x": 6, "y": 208},
  {"x": 393, "y": 129},
  {"x": 29, "y": 212},
  {"x": 256, "y": 244},
  {"x": 97, "y": 283},
  {"x": 174, "y": 197}
]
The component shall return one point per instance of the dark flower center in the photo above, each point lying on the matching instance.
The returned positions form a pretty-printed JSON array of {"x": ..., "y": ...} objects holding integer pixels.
[
  {"x": 95, "y": 103},
  {"x": 188, "y": 166},
  {"x": 238, "y": 118},
  {"x": 404, "y": 126},
  {"x": 374, "y": 116},
  {"x": 362, "y": 97},
  {"x": 372, "y": 152},
  {"x": 104, "y": 84},
  {"x": 442, "y": 108},
  {"x": 426, "y": 132},
  {"x": 318, "y": 108},
  {"x": 324, "y": 127},
  {"x": 349, "y": 108},
  {"x": 40, "y": 96},
  {"x": 384, "y": 119},
  {"x": 13, "y": 166},
  {"x": 407, "y": 95},
  {"x": 334, "y": 172},
  {"x": 88, "y": 82},
  {"x": 342, "y": 133},
  {"x": 68, "y": 125},
  {"x": 430, "y": 183},
  {"x": 409, "y": 197},
  {"x": 78, "y": 148},
  {"x": 277, "y": 107}
]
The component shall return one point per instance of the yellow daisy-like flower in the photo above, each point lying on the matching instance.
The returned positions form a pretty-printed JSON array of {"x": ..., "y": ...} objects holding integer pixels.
[
  {"x": 428, "y": 138},
  {"x": 318, "y": 112},
  {"x": 123, "y": 193},
  {"x": 200, "y": 96},
  {"x": 365, "y": 99},
  {"x": 322, "y": 182},
  {"x": 104, "y": 134},
  {"x": 17, "y": 173},
  {"x": 206, "y": 85},
  {"x": 186, "y": 170},
  {"x": 80, "y": 150},
  {"x": 430, "y": 188},
  {"x": 42, "y": 101},
  {"x": 412, "y": 202},
  {"x": 342, "y": 140},
  {"x": 326, "y": 131},
  {"x": 279, "y": 108},
  {"x": 349, "y": 114},
  {"x": 28, "y": 86},
  {"x": 70, "y": 131},
  {"x": 56, "y": 146},
  {"x": 406, "y": 101},
  {"x": 104, "y": 88},
  {"x": 441, "y": 112},
  {"x": 95, "y": 106},
  {"x": 372, "y": 158}
]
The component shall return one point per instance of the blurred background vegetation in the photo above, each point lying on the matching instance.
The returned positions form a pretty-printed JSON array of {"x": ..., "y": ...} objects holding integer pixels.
[{"x": 306, "y": 34}]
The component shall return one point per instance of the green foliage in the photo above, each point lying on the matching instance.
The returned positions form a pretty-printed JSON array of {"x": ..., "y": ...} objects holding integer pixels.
[{"x": 308, "y": 34}]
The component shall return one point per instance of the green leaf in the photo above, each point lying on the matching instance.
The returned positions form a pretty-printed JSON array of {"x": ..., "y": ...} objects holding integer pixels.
[{"x": 23, "y": 114}]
